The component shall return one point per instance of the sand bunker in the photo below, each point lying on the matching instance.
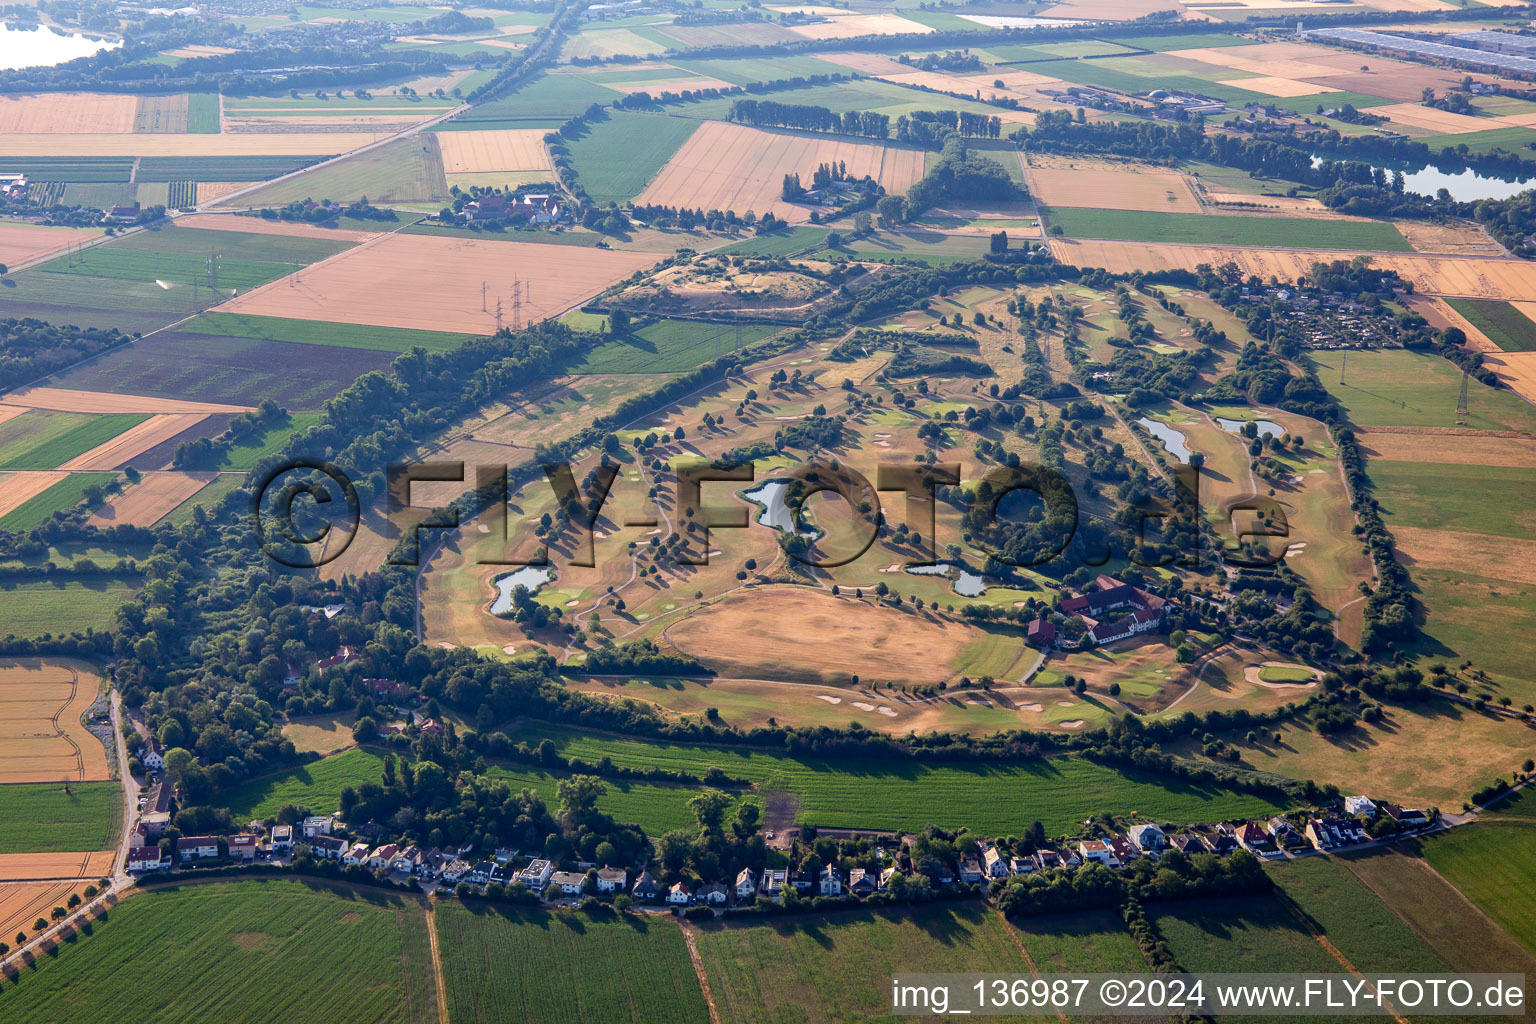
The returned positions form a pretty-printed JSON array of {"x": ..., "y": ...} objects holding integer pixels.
[
  {"x": 1031, "y": 707},
  {"x": 887, "y": 712},
  {"x": 863, "y": 706},
  {"x": 509, "y": 649},
  {"x": 829, "y": 698}
]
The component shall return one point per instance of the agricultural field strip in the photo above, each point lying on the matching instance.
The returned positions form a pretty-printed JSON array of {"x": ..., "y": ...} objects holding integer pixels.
[
  {"x": 41, "y": 704},
  {"x": 133, "y": 442}
]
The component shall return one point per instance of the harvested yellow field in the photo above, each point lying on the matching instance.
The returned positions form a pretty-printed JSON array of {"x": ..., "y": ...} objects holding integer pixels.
[
  {"x": 1504, "y": 558},
  {"x": 1527, "y": 308},
  {"x": 199, "y": 50},
  {"x": 851, "y": 26},
  {"x": 1438, "y": 122},
  {"x": 21, "y": 903},
  {"x": 72, "y": 113},
  {"x": 867, "y": 63},
  {"x": 135, "y": 441},
  {"x": 208, "y": 191},
  {"x": 16, "y": 489},
  {"x": 27, "y": 867},
  {"x": 69, "y": 400},
  {"x": 20, "y": 243},
  {"x": 1115, "y": 10},
  {"x": 41, "y": 736},
  {"x": 507, "y": 150},
  {"x": 732, "y": 167},
  {"x": 1463, "y": 238},
  {"x": 1459, "y": 276},
  {"x": 357, "y": 124},
  {"x": 1273, "y": 86},
  {"x": 1450, "y": 446},
  {"x": 261, "y": 226},
  {"x": 161, "y": 114},
  {"x": 14, "y": 143},
  {"x": 1515, "y": 369},
  {"x": 382, "y": 283},
  {"x": 1107, "y": 185},
  {"x": 151, "y": 499}
]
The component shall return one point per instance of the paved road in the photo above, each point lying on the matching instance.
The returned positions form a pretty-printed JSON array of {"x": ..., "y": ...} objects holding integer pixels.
[{"x": 120, "y": 876}]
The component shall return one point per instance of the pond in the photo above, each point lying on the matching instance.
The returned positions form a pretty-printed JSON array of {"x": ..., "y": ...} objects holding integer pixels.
[
  {"x": 1266, "y": 427},
  {"x": 531, "y": 576},
  {"x": 775, "y": 510},
  {"x": 1172, "y": 439},
  {"x": 45, "y": 47},
  {"x": 1465, "y": 186},
  {"x": 966, "y": 583}
]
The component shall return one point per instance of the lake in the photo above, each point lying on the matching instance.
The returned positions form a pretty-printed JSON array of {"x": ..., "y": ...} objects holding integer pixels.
[
  {"x": 1266, "y": 428},
  {"x": 966, "y": 583},
  {"x": 531, "y": 576},
  {"x": 1464, "y": 186},
  {"x": 775, "y": 513},
  {"x": 45, "y": 47},
  {"x": 1172, "y": 439}
]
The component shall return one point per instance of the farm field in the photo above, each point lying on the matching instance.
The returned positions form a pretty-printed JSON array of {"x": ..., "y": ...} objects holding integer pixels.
[
  {"x": 1226, "y": 229},
  {"x": 148, "y": 501},
  {"x": 656, "y": 982},
  {"x": 39, "y": 439},
  {"x": 669, "y": 346},
  {"x": 21, "y": 903},
  {"x": 353, "y": 958},
  {"x": 31, "y": 867},
  {"x": 545, "y": 102},
  {"x": 208, "y": 497},
  {"x": 787, "y": 970},
  {"x": 306, "y": 332},
  {"x": 380, "y": 284},
  {"x": 617, "y": 157},
  {"x": 502, "y": 157},
  {"x": 1101, "y": 184},
  {"x": 1408, "y": 389},
  {"x": 41, "y": 736},
  {"x": 59, "y": 492},
  {"x": 1503, "y": 324},
  {"x": 43, "y": 818},
  {"x": 1492, "y": 863},
  {"x": 1462, "y": 498},
  {"x": 404, "y": 170},
  {"x": 21, "y": 243},
  {"x": 857, "y": 794},
  {"x": 931, "y": 247}
]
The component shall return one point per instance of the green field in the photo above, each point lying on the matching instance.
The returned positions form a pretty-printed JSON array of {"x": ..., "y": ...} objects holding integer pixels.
[
  {"x": 208, "y": 497},
  {"x": 182, "y": 268},
  {"x": 547, "y": 101},
  {"x": 531, "y": 965},
  {"x": 993, "y": 798},
  {"x": 248, "y": 452},
  {"x": 669, "y": 346},
  {"x": 240, "y": 953},
  {"x": 1223, "y": 229},
  {"x": 405, "y": 170},
  {"x": 218, "y": 168},
  {"x": 779, "y": 243},
  {"x": 203, "y": 113},
  {"x": 761, "y": 69},
  {"x": 64, "y": 495},
  {"x": 42, "y": 439},
  {"x": 101, "y": 196},
  {"x": 1369, "y": 935},
  {"x": 315, "y": 332},
  {"x": 1493, "y": 863},
  {"x": 34, "y": 607},
  {"x": 42, "y": 818},
  {"x": 1465, "y": 498},
  {"x": 1398, "y": 388},
  {"x": 230, "y": 245},
  {"x": 930, "y": 247},
  {"x": 1184, "y": 41},
  {"x": 838, "y": 967},
  {"x": 618, "y": 157},
  {"x": 1502, "y": 323}
]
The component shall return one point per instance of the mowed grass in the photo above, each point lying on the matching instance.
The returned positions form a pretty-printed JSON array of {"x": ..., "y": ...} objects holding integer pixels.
[
  {"x": 203, "y": 113},
  {"x": 838, "y": 967},
  {"x": 1502, "y": 323},
  {"x": 1222, "y": 229},
  {"x": 181, "y": 268},
  {"x": 779, "y": 243},
  {"x": 1281, "y": 674},
  {"x": 34, "y": 607},
  {"x": 618, "y": 157},
  {"x": 43, "y": 818},
  {"x": 669, "y": 346},
  {"x": 995, "y": 798},
  {"x": 1493, "y": 863},
  {"x": 405, "y": 170},
  {"x": 1398, "y": 388},
  {"x": 42, "y": 439},
  {"x": 240, "y": 953},
  {"x": 313, "y": 332},
  {"x": 1465, "y": 498},
  {"x": 62, "y": 496},
  {"x": 930, "y": 247},
  {"x": 1369, "y": 935},
  {"x": 501, "y": 964}
]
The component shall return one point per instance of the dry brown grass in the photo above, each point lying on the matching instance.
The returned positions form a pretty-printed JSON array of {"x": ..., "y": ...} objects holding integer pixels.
[
  {"x": 732, "y": 167},
  {"x": 261, "y": 226},
  {"x": 16, "y": 489},
  {"x": 53, "y": 113},
  {"x": 1462, "y": 238},
  {"x": 384, "y": 283},
  {"x": 131, "y": 443},
  {"x": 151, "y": 499},
  {"x": 20, "y": 243},
  {"x": 208, "y": 191},
  {"x": 1434, "y": 121},
  {"x": 99, "y": 402},
  {"x": 1271, "y": 85},
  {"x": 1469, "y": 449},
  {"x": 850, "y": 26},
  {"x": 867, "y": 63},
  {"x": 1103, "y": 184},
  {"x": 41, "y": 736},
  {"x": 795, "y": 633},
  {"x": 509, "y": 150},
  {"x": 1505, "y": 558},
  {"x": 27, "y": 867}
]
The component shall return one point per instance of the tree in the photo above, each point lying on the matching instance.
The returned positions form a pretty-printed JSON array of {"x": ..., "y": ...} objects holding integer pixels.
[
  {"x": 578, "y": 796},
  {"x": 861, "y": 223},
  {"x": 618, "y": 321},
  {"x": 891, "y": 210},
  {"x": 366, "y": 730},
  {"x": 709, "y": 809}
]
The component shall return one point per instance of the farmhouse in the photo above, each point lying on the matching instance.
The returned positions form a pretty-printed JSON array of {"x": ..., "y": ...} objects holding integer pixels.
[
  {"x": 122, "y": 214},
  {"x": 145, "y": 858},
  {"x": 150, "y": 755},
  {"x": 1040, "y": 634},
  {"x": 13, "y": 184},
  {"x": 1144, "y": 613}
]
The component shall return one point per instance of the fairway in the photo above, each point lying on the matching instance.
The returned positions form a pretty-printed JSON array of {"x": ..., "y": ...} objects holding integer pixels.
[
  {"x": 504, "y": 964},
  {"x": 259, "y": 950},
  {"x": 42, "y": 818},
  {"x": 1224, "y": 229}
]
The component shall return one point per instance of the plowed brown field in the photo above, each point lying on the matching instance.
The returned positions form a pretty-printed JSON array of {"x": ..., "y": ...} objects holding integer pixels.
[{"x": 148, "y": 501}]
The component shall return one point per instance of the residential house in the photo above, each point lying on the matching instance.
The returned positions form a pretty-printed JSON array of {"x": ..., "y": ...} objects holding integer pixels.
[
  {"x": 1254, "y": 838},
  {"x": 1363, "y": 806},
  {"x": 387, "y": 689},
  {"x": 1349, "y": 830},
  {"x": 1148, "y": 838},
  {"x": 994, "y": 863},
  {"x": 122, "y": 213},
  {"x": 1047, "y": 859},
  {"x": 679, "y": 895},
  {"x": 504, "y": 855},
  {"x": 746, "y": 885},
  {"x": 1405, "y": 816},
  {"x": 1099, "y": 852},
  {"x": 480, "y": 874},
  {"x": 774, "y": 882},
  {"x": 152, "y": 823},
  {"x": 611, "y": 879},
  {"x": 886, "y": 876},
  {"x": 456, "y": 870},
  {"x": 831, "y": 881},
  {"x": 536, "y": 875},
  {"x": 486, "y": 208},
  {"x": 145, "y": 858},
  {"x": 406, "y": 860},
  {"x": 1125, "y": 850},
  {"x": 341, "y": 657},
  {"x": 381, "y": 857},
  {"x": 862, "y": 883},
  {"x": 281, "y": 840},
  {"x": 1189, "y": 843},
  {"x": 970, "y": 870},
  {"x": 801, "y": 881},
  {"x": 570, "y": 882},
  {"x": 1222, "y": 839},
  {"x": 502, "y": 874},
  {"x": 712, "y": 893},
  {"x": 319, "y": 825},
  {"x": 150, "y": 755},
  {"x": 432, "y": 863},
  {"x": 328, "y": 847},
  {"x": 1284, "y": 834},
  {"x": 646, "y": 887},
  {"x": 197, "y": 848},
  {"x": 243, "y": 847},
  {"x": 356, "y": 855},
  {"x": 1021, "y": 865}
]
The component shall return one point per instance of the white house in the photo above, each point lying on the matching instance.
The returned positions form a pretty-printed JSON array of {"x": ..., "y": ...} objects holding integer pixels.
[
  {"x": 1098, "y": 851},
  {"x": 536, "y": 875},
  {"x": 318, "y": 825},
  {"x": 570, "y": 882},
  {"x": 381, "y": 857},
  {"x": 746, "y": 884},
  {"x": 406, "y": 860},
  {"x": 282, "y": 838},
  {"x": 455, "y": 870},
  {"x": 774, "y": 881},
  {"x": 197, "y": 848},
  {"x": 145, "y": 858},
  {"x": 678, "y": 894},
  {"x": 713, "y": 893},
  {"x": 150, "y": 756},
  {"x": 1360, "y": 805},
  {"x": 356, "y": 855},
  {"x": 611, "y": 879},
  {"x": 831, "y": 881},
  {"x": 646, "y": 887},
  {"x": 1147, "y": 837},
  {"x": 996, "y": 864},
  {"x": 1022, "y": 865}
]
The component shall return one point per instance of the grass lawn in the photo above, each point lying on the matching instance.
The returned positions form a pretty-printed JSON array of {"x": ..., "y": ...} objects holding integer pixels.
[
  {"x": 1503, "y": 324},
  {"x": 42, "y": 818},
  {"x": 618, "y": 157},
  {"x": 995, "y": 798},
  {"x": 41, "y": 439},
  {"x": 1493, "y": 863},
  {"x": 837, "y": 968},
  {"x": 1224, "y": 229},
  {"x": 1278, "y": 674},
  {"x": 66, "y": 494},
  {"x": 241, "y": 953},
  {"x": 34, "y": 607},
  {"x": 669, "y": 346},
  {"x": 249, "y": 452},
  {"x": 503, "y": 964},
  {"x": 1398, "y": 388},
  {"x": 314, "y": 332},
  {"x": 1446, "y": 496},
  {"x": 1369, "y": 935}
]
